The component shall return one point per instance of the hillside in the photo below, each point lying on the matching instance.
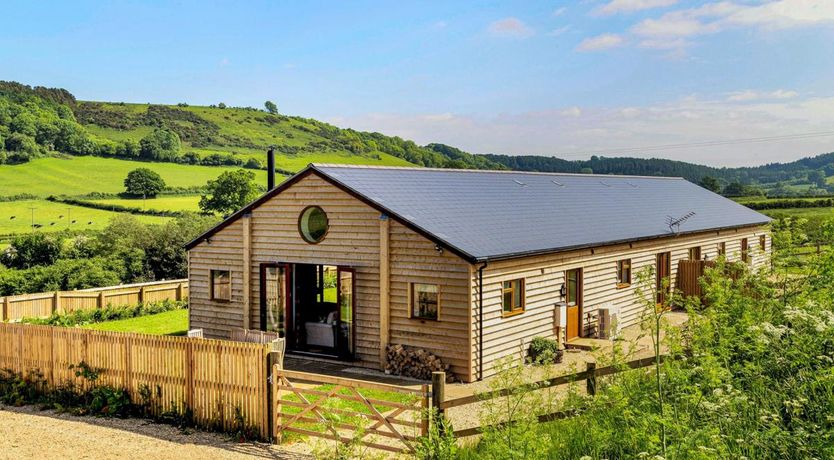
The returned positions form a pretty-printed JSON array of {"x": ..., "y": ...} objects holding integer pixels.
[{"x": 807, "y": 176}]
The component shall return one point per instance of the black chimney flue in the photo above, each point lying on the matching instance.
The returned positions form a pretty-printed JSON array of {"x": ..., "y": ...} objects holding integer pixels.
[{"x": 270, "y": 169}]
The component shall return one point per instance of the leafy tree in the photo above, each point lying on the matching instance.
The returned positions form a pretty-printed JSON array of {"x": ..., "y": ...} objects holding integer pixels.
[
  {"x": 165, "y": 255},
  {"x": 817, "y": 178},
  {"x": 21, "y": 148},
  {"x": 229, "y": 192},
  {"x": 734, "y": 189},
  {"x": 144, "y": 182},
  {"x": 221, "y": 106},
  {"x": 161, "y": 144},
  {"x": 710, "y": 183},
  {"x": 31, "y": 249},
  {"x": 271, "y": 107}
]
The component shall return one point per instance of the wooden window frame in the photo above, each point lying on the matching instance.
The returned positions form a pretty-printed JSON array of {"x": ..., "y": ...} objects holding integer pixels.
[
  {"x": 745, "y": 250},
  {"x": 763, "y": 243},
  {"x": 412, "y": 296},
  {"x": 621, "y": 283},
  {"x": 212, "y": 293},
  {"x": 516, "y": 309},
  {"x": 694, "y": 249},
  {"x": 722, "y": 249}
]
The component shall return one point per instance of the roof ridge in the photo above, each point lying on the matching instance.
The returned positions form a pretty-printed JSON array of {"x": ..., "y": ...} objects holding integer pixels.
[{"x": 491, "y": 171}]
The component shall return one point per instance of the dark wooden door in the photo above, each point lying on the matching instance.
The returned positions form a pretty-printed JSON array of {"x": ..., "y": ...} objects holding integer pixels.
[
  {"x": 573, "y": 299},
  {"x": 664, "y": 271}
]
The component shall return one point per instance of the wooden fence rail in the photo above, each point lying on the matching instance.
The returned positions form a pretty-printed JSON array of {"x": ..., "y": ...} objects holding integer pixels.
[
  {"x": 216, "y": 379},
  {"x": 373, "y": 422},
  {"x": 590, "y": 375},
  {"x": 44, "y": 304}
]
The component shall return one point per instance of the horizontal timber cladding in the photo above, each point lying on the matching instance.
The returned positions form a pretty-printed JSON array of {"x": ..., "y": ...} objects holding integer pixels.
[
  {"x": 223, "y": 251},
  {"x": 544, "y": 275},
  {"x": 414, "y": 259},
  {"x": 353, "y": 240}
]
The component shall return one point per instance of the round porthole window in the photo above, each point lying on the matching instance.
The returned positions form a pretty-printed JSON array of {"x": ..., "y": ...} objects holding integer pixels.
[{"x": 312, "y": 224}]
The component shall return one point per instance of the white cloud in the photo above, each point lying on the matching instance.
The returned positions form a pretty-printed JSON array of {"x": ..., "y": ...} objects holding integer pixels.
[
  {"x": 440, "y": 25},
  {"x": 224, "y": 62},
  {"x": 715, "y": 17},
  {"x": 510, "y": 27},
  {"x": 559, "y": 11},
  {"x": 626, "y": 6},
  {"x": 750, "y": 95},
  {"x": 600, "y": 42},
  {"x": 574, "y": 132}
]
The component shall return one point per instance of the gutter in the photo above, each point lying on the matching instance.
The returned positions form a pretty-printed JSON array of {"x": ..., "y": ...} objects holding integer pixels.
[{"x": 481, "y": 320}]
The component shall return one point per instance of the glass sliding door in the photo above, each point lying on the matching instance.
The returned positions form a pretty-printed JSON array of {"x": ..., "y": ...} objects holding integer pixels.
[
  {"x": 274, "y": 297},
  {"x": 346, "y": 294}
]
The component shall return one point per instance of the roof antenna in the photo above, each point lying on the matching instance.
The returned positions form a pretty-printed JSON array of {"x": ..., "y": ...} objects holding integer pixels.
[
  {"x": 675, "y": 224},
  {"x": 558, "y": 183},
  {"x": 520, "y": 183}
]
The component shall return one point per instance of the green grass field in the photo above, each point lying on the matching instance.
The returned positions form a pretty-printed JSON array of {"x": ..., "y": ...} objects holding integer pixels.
[
  {"x": 812, "y": 214},
  {"x": 81, "y": 175},
  {"x": 173, "y": 322},
  {"x": 160, "y": 203},
  {"x": 16, "y": 217}
]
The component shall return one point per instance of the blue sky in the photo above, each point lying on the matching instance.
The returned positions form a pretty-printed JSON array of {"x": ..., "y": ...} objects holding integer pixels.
[{"x": 549, "y": 78}]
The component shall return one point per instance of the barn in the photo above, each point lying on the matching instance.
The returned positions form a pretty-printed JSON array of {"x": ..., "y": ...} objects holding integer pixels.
[{"x": 468, "y": 265}]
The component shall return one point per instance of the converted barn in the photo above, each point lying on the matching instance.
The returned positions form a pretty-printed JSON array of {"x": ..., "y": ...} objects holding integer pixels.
[{"x": 468, "y": 265}]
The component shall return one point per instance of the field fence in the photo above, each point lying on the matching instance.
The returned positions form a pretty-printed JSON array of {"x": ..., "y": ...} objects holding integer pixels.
[{"x": 45, "y": 304}]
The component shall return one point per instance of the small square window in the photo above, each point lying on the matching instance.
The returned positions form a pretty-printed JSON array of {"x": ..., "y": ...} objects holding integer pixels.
[
  {"x": 762, "y": 242},
  {"x": 512, "y": 295},
  {"x": 722, "y": 249},
  {"x": 623, "y": 272},
  {"x": 695, "y": 253},
  {"x": 425, "y": 301},
  {"x": 221, "y": 285}
]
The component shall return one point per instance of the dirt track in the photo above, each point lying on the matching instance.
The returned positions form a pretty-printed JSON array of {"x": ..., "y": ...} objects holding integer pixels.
[{"x": 26, "y": 432}]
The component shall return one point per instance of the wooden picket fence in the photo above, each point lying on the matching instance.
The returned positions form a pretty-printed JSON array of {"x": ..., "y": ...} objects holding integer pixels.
[
  {"x": 213, "y": 378},
  {"x": 308, "y": 409},
  {"x": 44, "y": 304}
]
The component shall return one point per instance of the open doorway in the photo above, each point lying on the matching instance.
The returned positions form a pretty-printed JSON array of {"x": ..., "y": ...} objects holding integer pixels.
[{"x": 311, "y": 305}]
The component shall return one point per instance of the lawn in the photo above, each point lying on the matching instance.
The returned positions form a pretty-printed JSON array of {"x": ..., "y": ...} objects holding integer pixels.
[
  {"x": 173, "y": 322},
  {"x": 16, "y": 217},
  {"x": 160, "y": 203},
  {"x": 81, "y": 175}
]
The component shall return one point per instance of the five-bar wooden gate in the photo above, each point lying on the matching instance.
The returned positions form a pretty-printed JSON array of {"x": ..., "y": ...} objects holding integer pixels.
[{"x": 386, "y": 417}]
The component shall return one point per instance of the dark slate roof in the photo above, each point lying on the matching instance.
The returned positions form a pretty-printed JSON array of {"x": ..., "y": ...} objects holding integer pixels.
[{"x": 488, "y": 215}]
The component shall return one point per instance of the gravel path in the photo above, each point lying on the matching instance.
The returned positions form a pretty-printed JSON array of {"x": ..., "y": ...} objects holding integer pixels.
[{"x": 26, "y": 432}]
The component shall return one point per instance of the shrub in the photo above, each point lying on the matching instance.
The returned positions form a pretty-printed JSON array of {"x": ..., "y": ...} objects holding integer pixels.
[
  {"x": 83, "y": 317},
  {"x": 144, "y": 182},
  {"x": 544, "y": 351}
]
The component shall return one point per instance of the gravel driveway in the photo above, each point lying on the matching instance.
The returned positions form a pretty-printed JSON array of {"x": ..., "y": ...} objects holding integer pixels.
[{"x": 26, "y": 432}]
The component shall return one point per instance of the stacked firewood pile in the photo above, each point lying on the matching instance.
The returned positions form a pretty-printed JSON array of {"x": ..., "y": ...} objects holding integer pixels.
[{"x": 416, "y": 363}]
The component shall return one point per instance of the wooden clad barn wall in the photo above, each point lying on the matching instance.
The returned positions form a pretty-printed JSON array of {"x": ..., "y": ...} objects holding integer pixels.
[
  {"x": 224, "y": 252},
  {"x": 352, "y": 240},
  {"x": 414, "y": 259},
  {"x": 544, "y": 276}
]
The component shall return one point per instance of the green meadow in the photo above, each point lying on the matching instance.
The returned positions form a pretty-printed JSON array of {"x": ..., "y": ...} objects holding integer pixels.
[
  {"x": 160, "y": 203},
  {"x": 17, "y": 217},
  {"x": 82, "y": 175}
]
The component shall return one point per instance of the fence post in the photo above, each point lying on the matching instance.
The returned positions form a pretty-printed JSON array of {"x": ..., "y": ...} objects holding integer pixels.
[
  {"x": 100, "y": 299},
  {"x": 425, "y": 416},
  {"x": 179, "y": 292},
  {"x": 275, "y": 403},
  {"x": 4, "y": 310},
  {"x": 56, "y": 302},
  {"x": 141, "y": 294},
  {"x": 591, "y": 382},
  {"x": 272, "y": 360}
]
